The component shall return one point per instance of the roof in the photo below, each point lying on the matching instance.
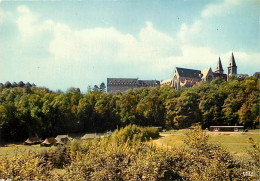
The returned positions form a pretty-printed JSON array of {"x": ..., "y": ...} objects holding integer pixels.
[
  {"x": 130, "y": 81},
  {"x": 148, "y": 82},
  {"x": 226, "y": 126},
  {"x": 32, "y": 140},
  {"x": 49, "y": 141},
  {"x": 60, "y": 137},
  {"x": 219, "y": 65},
  {"x": 191, "y": 73},
  {"x": 232, "y": 61},
  {"x": 205, "y": 72},
  {"x": 89, "y": 136},
  {"x": 166, "y": 82},
  {"x": 111, "y": 81}
]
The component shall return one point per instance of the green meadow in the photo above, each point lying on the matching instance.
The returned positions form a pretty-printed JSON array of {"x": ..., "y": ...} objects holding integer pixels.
[{"x": 237, "y": 143}]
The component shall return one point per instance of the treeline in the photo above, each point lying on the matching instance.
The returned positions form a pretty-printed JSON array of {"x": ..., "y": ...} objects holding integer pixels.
[
  {"x": 29, "y": 111},
  {"x": 14, "y": 84}
]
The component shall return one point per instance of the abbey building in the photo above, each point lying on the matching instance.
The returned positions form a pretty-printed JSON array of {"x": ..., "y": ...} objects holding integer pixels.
[
  {"x": 183, "y": 77},
  {"x": 123, "y": 84}
]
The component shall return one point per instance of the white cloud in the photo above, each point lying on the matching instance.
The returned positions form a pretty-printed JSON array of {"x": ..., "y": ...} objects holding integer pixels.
[
  {"x": 203, "y": 57},
  {"x": 97, "y": 43},
  {"x": 29, "y": 25},
  {"x": 188, "y": 33},
  {"x": 222, "y": 8},
  {"x": 84, "y": 52},
  {"x": 1, "y": 16},
  {"x": 109, "y": 43}
]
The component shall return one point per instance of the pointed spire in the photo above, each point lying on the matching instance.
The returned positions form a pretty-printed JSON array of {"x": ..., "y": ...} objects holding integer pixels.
[
  {"x": 232, "y": 61},
  {"x": 219, "y": 65},
  {"x": 219, "y": 68}
]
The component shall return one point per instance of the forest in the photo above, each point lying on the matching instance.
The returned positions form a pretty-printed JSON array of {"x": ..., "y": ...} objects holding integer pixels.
[{"x": 27, "y": 110}]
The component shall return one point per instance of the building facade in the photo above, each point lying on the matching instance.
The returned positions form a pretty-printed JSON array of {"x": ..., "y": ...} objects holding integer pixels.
[
  {"x": 183, "y": 77},
  {"x": 123, "y": 84}
]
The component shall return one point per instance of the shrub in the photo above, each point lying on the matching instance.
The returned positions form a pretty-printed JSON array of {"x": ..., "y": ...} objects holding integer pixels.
[
  {"x": 57, "y": 156},
  {"x": 135, "y": 133},
  {"x": 107, "y": 160},
  {"x": 26, "y": 166},
  {"x": 252, "y": 168},
  {"x": 205, "y": 161}
]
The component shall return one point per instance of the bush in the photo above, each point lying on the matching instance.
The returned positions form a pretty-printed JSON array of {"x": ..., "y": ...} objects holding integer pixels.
[
  {"x": 26, "y": 166},
  {"x": 205, "y": 161},
  {"x": 107, "y": 160},
  {"x": 58, "y": 156},
  {"x": 135, "y": 133}
]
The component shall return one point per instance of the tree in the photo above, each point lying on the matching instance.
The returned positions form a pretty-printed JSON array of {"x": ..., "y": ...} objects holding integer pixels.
[
  {"x": 151, "y": 109},
  {"x": 28, "y": 84},
  {"x": 27, "y": 89},
  {"x": 8, "y": 84},
  {"x": 128, "y": 103},
  {"x": 249, "y": 111},
  {"x": 73, "y": 90},
  {"x": 211, "y": 107},
  {"x": 96, "y": 88},
  {"x": 1, "y": 86},
  {"x": 102, "y": 87},
  {"x": 20, "y": 84},
  {"x": 14, "y": 84},
  {"x": 185, "y": 111}
]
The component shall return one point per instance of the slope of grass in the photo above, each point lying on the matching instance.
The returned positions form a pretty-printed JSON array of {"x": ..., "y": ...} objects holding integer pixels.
[
  {"x": 236, "y": 143},
  {"x": 12, "y": 149}
]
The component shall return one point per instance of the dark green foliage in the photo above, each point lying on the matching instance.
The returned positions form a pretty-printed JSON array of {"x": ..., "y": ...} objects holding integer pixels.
[
  {"x": 20, "y": 84},
  {"x": 7, "y": 85},
  {"x": 102, "y": 87},
  {"x": 28, "y": 111},
  {"x": 14, "y": 84}
]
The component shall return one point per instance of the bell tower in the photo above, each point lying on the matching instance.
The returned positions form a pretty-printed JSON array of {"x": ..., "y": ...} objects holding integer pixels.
[{"x": 232, "y": 69}]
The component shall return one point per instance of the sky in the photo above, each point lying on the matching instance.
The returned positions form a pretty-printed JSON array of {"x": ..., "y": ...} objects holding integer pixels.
[{"x": 62, "y": 44}]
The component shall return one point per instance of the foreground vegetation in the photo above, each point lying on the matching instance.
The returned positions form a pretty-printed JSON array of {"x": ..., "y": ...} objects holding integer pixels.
[
  {"x": 28, "y": 110},
  {"x": 131, "y": 159}
]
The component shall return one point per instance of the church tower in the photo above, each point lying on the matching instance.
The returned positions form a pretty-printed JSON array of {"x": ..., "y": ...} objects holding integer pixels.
[
  {"x": 232, "y": 69},
  {"x": 219, "y": 67}
]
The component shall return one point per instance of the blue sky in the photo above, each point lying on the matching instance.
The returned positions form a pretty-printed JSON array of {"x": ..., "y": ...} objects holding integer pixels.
[{"x": 62, "y": 44}]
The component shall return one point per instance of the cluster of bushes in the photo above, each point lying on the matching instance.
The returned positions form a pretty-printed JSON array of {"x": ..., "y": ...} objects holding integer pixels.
[
  {"x": 38, "y": 111},
  {"x": 58, "y": 157},
  {"x": 25, "y": 166},
  {"x": 108, "y": 159},
  {"x": 135, "y": 133}
]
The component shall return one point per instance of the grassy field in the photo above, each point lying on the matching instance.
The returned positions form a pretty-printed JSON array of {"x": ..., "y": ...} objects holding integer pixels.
[
  {"x": 236, "y": 143},
  {"x": 12, "y": 149}
]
